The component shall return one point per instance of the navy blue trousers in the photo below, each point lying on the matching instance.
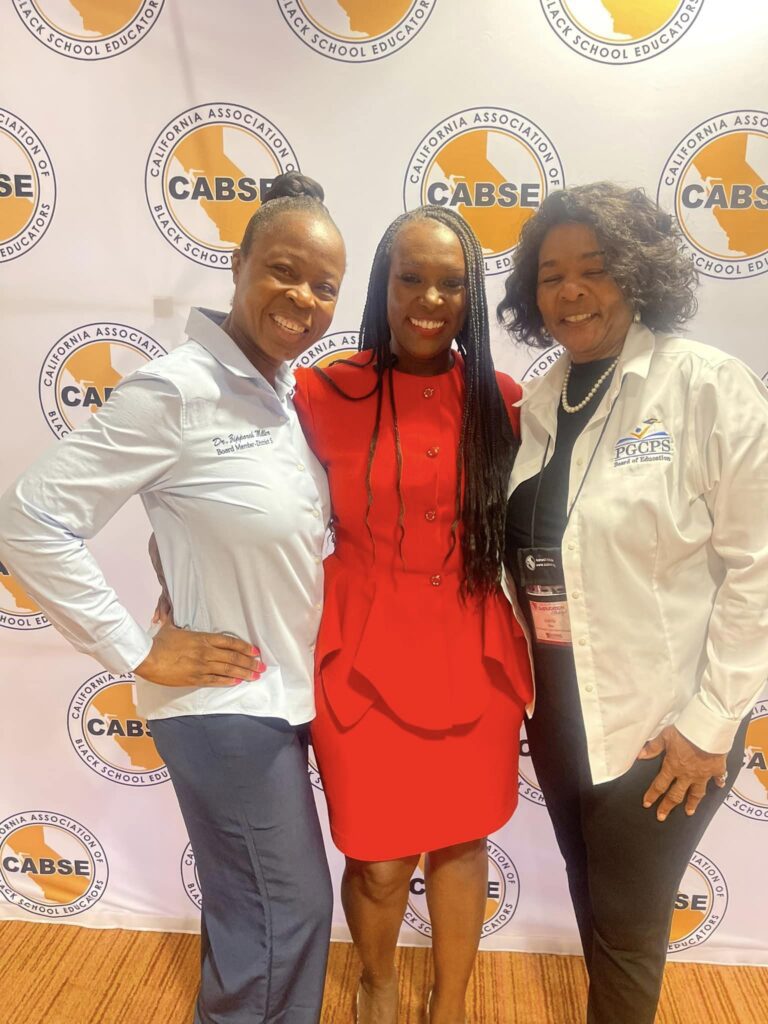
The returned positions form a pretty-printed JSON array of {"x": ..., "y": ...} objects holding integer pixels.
[{"x": 247, "y": 803}]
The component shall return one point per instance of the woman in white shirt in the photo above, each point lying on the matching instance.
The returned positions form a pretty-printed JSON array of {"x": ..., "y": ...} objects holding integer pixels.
[
  {"x": 209, "y": 437},
  {"x": 637, "y": 544}
]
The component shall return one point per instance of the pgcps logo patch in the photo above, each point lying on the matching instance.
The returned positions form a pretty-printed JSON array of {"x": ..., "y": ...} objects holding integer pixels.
[
  {"x": 340, "y": 345},
  {"x": 527, "y": 783},
  {"x": 83, "y": 367},
  {"x": 749, "y": 795},
  {"x": 190, "y": 878},
  {"x": 620, "y": 31},
  {"x": 700, "y": 904},
  {"x": 646, "y": 442},
  {"x": 17, "y": 608},
  {"x": 50, "y": 864},
  {"x": 716, "y": 181},
  {"x": 502, "y": 898},
  {"x": 491, "y": 165},
  {"x": 109, "y": 735},
  {"x": 206, "y": 175},
  {"x": 86, "y": 30},
  {"x": 356, "y": 31},
  {"x": 543, "y": 362},
  {"x": 27, "y": 187}
]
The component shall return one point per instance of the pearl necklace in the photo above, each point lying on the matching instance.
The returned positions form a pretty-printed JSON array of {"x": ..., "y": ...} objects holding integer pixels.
[{"x": 590, "y": 394}]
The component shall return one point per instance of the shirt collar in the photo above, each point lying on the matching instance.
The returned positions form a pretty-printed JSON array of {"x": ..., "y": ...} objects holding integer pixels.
[
  {"x": 635, "y": 357},
  {"x": 204, "y": 327}
]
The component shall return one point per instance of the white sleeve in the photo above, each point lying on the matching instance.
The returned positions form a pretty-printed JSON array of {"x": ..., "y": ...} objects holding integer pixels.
[
  {"x": 128, "y": 446},
  {"x": 728, "y": 440}
]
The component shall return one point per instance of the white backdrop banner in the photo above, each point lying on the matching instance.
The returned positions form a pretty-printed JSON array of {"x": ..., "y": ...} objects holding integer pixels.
[{"x": 136, "y": 139}]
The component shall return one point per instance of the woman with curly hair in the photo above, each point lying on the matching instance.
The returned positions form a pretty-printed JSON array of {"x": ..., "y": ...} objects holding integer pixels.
[{"x": 637, "y": 543}]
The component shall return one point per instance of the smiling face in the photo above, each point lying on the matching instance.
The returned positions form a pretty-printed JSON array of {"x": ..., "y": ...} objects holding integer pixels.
[
  {"x": 426, "y": 295},
  {"x": 285, "y": 289},
  {"x": 580, "y": 303}
]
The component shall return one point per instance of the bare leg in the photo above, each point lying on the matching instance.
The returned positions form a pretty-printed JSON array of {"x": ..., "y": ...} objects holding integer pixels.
[
  {"x": 374, "y": 895},
  {"x": 457, "y": 890}
]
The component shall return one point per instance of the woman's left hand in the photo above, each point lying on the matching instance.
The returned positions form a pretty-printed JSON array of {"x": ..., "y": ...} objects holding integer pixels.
[{"x": 684, "y": 773}]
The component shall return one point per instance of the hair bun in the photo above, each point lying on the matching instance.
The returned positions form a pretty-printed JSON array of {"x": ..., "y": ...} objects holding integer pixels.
[{"x": 291, "y": 185}]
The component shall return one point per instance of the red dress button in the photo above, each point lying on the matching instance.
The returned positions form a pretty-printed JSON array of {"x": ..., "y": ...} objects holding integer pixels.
[
  {"x": 430, "y": 515},
  {"x": 436, "y": 580},
  {"x": 428, "y": 392},
  {"x": 432, "y": 452}
]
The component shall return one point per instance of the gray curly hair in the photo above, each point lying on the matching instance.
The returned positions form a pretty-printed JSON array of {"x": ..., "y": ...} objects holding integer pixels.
[{"x": 643, "y": 254}]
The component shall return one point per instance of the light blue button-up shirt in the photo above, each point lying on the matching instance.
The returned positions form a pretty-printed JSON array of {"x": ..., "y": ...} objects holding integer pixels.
[{"x": 238, "y": 503}]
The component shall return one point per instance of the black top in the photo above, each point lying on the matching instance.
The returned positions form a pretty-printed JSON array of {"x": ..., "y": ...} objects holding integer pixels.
[{"x": 552, "y": 483}]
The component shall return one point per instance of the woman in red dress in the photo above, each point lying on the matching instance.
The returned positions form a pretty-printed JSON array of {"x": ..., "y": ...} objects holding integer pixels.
[{"x": 422, "y": 671}]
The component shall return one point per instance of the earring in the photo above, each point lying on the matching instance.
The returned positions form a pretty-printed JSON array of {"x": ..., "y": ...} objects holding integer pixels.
[{"x": 636, "y": 317}]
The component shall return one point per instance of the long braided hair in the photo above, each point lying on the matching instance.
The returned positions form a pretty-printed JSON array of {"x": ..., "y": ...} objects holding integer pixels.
[{"x": 486, "y": 444}]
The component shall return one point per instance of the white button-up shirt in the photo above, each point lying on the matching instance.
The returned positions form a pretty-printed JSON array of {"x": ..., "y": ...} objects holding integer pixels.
[
  {"x": 237, "y": 500},
  {"x": 666, "y": 551}
]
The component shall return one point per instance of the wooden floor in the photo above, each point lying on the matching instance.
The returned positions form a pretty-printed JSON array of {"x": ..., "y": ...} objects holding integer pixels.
[{"x": 68, "y": 975}]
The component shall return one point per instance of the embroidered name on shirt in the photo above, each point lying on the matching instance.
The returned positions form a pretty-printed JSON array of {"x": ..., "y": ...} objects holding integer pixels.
[
  {"x": 648, "y": 442},
  {"x": 255, "y": 438}
]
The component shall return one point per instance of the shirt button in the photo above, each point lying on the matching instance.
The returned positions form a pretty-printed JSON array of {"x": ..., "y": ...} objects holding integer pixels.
[
  {"x": 300, "y": 466},
  {"x": 316, "y": 513},
  {"x": 589, "y": 687},
  {"x": 428, "y": 392},
  {"x": 318, "y": 559},
  {"x": 576, "y": 594},
  {"x": 430, "y": 515},
  {"x": 571, "y": 547},
  {"x": 579, "y": 462},
  {"x": 583, "y": 642},
  {"x": 436, "y": 580},
  {"x": 318, "y": 607},
  {"x": 432, "y": 453}
]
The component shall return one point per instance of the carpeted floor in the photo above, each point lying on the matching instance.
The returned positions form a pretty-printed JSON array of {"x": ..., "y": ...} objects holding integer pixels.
[{"x": 69, "y": 975}]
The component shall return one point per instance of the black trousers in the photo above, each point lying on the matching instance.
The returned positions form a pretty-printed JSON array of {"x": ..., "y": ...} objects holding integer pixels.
[
  {"x": 623, "y": 866},
  {"x": 246, "y": 799}
]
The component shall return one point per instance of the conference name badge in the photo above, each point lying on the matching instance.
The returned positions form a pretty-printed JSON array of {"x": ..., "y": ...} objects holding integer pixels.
[{"x": 541, "y": 574}]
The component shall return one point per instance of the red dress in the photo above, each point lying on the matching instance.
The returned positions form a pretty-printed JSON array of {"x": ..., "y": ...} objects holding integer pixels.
[{"x": 419, "y": 696}]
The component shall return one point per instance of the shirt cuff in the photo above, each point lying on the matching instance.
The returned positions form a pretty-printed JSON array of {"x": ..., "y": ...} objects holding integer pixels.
[
  {"x": 124, "y": 649},
  {"x": 704, "y": 727}
]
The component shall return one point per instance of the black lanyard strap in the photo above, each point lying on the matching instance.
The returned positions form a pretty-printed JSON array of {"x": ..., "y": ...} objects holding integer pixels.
[{"x": 586, "y": 471}]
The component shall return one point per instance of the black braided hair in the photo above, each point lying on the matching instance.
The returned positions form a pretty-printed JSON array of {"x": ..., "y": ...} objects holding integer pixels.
[
  {"x": 289, "y": 193},
  {"x": 486, "y": 444}
]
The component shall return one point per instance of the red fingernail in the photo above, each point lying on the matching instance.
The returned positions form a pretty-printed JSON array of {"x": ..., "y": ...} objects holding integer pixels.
[
  {"x": 236, "y": 681},
  {"x": 255, "y": 675},
  {"x": 255, "y": 651}
]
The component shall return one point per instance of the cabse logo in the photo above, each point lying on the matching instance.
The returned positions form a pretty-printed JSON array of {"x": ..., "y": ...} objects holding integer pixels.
[
  {"x": 494, "y": 167},
  {"x": 749, "y": 796},
  {"x": 27, "y": 187},
  {"x": 620, "y": 31},
  {"x": 716, "y": 181},
  {"x": 356, "y": 31},
  {"x": 89, "y": 29},
  {"x": 82, "y": 369},
  {"x": 17, "y": 609},
  {"x": 50, "y": 864},
  {"x": 207, "y": 174},
  {"x": 700, "y": 904},
  {"x": 110, "y": 736},
  {"x": 502, "y": 898}
]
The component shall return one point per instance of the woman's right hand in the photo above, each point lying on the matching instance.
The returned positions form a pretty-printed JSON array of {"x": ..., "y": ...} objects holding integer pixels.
[{"x": 183, "y": 657}]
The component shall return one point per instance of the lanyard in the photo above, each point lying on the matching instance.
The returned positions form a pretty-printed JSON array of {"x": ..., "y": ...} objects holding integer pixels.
[{"x": 584, "y": 477}]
